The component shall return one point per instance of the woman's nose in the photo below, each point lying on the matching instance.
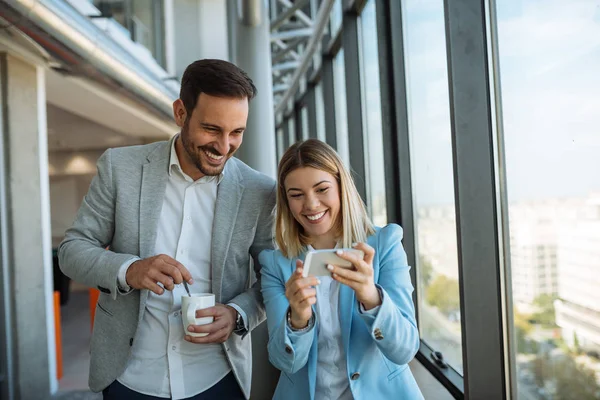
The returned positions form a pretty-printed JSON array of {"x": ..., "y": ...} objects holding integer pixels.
[{"x": 312, "y": 203}]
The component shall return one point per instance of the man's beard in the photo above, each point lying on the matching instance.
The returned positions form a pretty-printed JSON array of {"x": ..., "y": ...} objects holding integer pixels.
[{"x": 195, "y": 154}]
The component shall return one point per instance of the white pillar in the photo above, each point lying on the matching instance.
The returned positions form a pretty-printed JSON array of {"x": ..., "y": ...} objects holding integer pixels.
[
  {"x": 196, "y": 29},
  {"x": 251, "y": 51},
  {"x": 253, "y": 55},
  {"x": 28, "y": 237}
]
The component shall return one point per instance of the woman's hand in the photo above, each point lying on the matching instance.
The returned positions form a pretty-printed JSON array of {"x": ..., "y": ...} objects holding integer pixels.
[
  {"x": 360, "y": 279},
  {"x": 301, "y": 294}
]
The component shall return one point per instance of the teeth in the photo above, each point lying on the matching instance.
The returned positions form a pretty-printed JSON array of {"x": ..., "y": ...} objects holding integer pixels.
[
  {"x": 316, "y": 216},
  {"x": 213, "y": 156}
]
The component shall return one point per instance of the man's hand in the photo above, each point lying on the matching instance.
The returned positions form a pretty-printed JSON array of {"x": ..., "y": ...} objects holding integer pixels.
[
  {"x": 146, "y": 274},
  {"x": 221, "y": 328}
]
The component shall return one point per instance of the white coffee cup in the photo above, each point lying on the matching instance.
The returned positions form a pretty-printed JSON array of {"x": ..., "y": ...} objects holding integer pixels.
[{"x": 189, "y": 305}]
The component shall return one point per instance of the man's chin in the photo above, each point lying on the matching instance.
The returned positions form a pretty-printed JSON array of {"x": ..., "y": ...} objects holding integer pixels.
[{"x": 211, "y": 170}]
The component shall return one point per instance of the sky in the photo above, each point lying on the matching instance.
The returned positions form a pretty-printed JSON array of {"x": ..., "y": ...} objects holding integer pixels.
[{"x": 550, "y": 87}]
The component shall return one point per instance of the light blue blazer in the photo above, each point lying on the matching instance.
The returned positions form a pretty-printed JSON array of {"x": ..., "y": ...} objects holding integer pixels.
[{"x": 377, "y": 348}]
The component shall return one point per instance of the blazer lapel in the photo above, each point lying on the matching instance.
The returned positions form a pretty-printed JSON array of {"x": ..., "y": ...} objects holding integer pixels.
[
  {"x": 229, "y": 196},
  {"x": 346, "y": 308},
  {"x": 154, "y": 182}
]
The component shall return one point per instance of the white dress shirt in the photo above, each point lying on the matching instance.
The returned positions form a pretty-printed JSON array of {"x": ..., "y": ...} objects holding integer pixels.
[
  {"x": 162, "y": 363},
  {"x": 332, "y": 373}
]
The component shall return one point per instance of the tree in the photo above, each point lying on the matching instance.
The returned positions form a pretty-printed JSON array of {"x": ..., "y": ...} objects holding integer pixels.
[
  {"x": 569, "y": 379},
  {"x": 545, "y": 314},
  {"x": 443, "y": 294},
  {"x": 425, "y": 270},
  {"x": 522, "y": 330},
  {"x": 576, "y": 346}
]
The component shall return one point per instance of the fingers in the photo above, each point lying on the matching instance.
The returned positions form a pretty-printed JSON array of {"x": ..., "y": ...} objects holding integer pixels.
[
  {"x": 175, "y": 270},
  {"x": 298, "y": 285},
  {"x": 209, "y": 312},
  {"x": 304, "y": 294},
  {"x": 355, "y": 276},
  {"x": 368, "y": 250},
  {"x": 218, "y": 331},
  {"x": 157, "y": 277},
  {"x": 154, "y": 287},
  {"x": 219, "y": 336},
  {"x": 297, "y": 273}
]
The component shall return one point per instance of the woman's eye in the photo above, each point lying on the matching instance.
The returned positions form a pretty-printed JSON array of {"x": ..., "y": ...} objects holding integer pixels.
[
  {"x": 295, "y": 195},
  {"x": 322, "y": 190}
]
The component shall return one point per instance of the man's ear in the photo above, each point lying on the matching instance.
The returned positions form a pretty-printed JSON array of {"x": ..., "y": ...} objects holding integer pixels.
[{"x": 179, "y": 112}]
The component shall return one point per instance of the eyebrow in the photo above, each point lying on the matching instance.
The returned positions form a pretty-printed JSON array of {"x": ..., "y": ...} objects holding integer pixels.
[{"x": 315, "y": 185}]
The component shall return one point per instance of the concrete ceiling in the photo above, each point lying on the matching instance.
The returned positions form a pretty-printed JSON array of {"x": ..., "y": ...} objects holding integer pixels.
[{"x": 93, "y": 102}]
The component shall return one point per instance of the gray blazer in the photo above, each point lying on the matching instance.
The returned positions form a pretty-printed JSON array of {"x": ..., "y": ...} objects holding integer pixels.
[{"x": 121, "y": 210}]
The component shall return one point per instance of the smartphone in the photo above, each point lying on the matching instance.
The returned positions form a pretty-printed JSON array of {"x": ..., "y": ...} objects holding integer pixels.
[{"x": 316, "y": 261}]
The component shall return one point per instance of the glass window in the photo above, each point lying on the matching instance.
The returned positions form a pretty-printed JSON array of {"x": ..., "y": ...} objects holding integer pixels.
[
  {"x": 372, "y": 112},
  {"x": 116, "y": 9},
  {"x": 433, "y": 179},
  {"x": 291, "y": 132},
  {"x": 336, "y": 17},
  {"x": 320, "y": 110},
  {"x": 304, "y": 122},
  {"x": 143, "y": 19},
  {"x": 549, "y": 62},
  {"x": 280, "y": 143},
  {"x": 341, "y": 110}
]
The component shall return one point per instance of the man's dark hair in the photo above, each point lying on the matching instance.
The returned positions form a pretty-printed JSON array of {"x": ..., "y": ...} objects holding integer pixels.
[{"x": 217, "y": 78}]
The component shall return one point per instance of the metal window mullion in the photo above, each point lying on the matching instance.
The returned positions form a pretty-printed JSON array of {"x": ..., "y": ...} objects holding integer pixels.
[
  {"x": 298, "y": 121},
  {"x": 329, "y": 102},
  {"x": 311, "y": 103},
  {"x": 475, "y": 199},
  {"x": 286, "y": 134},
  {"x": 350, "y": 43},
  {"x": 7, "y": 387},
  {"x": 394, "y": 113}
]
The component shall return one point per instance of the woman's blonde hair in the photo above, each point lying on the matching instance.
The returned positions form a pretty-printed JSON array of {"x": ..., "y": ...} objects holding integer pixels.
[{"x": 352, "y": 225}]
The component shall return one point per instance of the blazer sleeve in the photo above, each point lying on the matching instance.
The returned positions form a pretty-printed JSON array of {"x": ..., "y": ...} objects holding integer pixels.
[
  {"x": 82, "y": 254},
  {"x": 288, "y": 351},
  {"x": 394, "y": 327},
  {"x": 251, "y": 300}
]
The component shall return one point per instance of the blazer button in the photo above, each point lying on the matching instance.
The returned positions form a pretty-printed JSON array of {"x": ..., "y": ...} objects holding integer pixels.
[
  {"x": 288, "y": 349},
  {"x": 355, "y": 376},
  {"x": 131, "y": 342}
]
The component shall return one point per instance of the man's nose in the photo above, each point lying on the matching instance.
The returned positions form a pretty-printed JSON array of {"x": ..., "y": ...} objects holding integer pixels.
[{"x": 222, "y": 145}]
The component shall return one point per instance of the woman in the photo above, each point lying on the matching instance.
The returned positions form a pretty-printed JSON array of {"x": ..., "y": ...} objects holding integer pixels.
[{"x": 350, "y": 335}]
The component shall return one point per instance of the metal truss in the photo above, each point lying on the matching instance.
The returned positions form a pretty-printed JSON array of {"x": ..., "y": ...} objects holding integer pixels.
[{"x": 296, "y": 31}]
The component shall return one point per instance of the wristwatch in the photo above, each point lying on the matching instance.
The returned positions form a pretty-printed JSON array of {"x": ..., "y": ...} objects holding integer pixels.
[{"x": 239, "y": 324}]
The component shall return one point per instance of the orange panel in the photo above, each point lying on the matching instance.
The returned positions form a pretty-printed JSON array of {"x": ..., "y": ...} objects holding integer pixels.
[
  {"x": 58, "y": 336},
  {"x": 94, "y": 294}
]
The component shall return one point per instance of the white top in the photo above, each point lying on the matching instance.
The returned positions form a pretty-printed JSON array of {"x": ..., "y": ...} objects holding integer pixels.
[
  {"x": 162, "y": 363},
  {"x": 332, "y": 373}
]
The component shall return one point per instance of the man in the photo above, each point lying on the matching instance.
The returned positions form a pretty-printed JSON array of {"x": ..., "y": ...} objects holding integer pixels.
[{"x": 169, "y": 212}]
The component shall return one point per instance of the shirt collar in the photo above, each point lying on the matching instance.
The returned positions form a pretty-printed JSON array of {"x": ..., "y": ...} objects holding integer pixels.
[{"x": 174, "y": 164}]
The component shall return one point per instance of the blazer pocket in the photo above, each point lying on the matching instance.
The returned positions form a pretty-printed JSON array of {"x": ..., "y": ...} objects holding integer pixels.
[
  {"x": 104, "y": 310},
  {"x": 397, "y": 372}
]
